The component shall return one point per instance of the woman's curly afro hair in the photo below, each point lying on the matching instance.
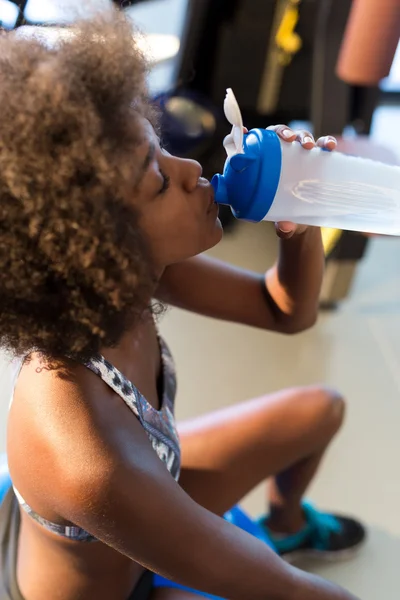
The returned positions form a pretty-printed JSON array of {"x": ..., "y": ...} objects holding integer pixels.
[{"x": 75, "y": 270}]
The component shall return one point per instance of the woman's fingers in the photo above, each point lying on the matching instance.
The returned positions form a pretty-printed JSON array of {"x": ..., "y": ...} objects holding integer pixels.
[
  {"x": 328, "y": 142},
  {"x": 288, "y": 135},
  {"x": 284, "y": 132},
  {"x": 305, "y": 138}
]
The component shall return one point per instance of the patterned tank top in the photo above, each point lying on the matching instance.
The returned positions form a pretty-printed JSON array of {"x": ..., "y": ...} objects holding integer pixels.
[{"x": 158, "y": 424}]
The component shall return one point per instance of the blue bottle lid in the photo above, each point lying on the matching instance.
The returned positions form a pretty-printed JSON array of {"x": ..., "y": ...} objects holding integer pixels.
[{"x": 250, "y": 180}]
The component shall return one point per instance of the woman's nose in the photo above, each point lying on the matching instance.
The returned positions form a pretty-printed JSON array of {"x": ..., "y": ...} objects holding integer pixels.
[{"x": 192, "y": 173}]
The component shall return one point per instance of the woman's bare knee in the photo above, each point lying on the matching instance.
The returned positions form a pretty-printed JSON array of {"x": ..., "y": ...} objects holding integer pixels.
[{"x": 328, "y": 409}]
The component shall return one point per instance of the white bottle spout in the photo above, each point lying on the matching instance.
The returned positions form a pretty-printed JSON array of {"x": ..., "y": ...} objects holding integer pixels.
[{"x": 233, "y": 143}]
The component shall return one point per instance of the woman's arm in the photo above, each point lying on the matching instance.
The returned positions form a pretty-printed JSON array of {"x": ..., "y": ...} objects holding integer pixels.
[
  {"x": 284, "y": 299},
  {"x": 139, "y": 510},
  {"x": 128, "y": 500},
  {"x": 92, "y": 464}
]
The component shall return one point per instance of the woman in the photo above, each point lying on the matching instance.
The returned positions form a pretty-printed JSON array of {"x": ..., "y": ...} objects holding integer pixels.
[{"x": 96, "y": 221}]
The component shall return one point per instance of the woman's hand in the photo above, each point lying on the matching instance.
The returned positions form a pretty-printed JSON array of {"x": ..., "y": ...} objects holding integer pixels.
[{"x": 286, "y": 229}]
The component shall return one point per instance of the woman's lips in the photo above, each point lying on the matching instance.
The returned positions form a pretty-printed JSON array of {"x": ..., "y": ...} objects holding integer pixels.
[
  {"x": 211, "y": 202},
  {"x": 209, "y": 194}
]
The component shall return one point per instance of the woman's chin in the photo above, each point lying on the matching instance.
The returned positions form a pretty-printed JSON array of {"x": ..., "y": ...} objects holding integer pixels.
[{"x": 218, "y": 233}]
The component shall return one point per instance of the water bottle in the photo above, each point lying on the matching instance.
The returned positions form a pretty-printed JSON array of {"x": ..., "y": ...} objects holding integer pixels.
[{"x": 265, "y": 178}]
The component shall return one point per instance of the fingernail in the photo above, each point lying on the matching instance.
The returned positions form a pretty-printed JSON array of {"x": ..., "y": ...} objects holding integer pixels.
[
  {"x": 330, "y": 140},
  {"x": 287, "y": 133},
  {"x": 308, "y": 140}
]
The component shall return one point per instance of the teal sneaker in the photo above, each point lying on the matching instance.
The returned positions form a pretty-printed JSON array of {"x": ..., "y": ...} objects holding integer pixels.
[{"x": 327, "y": 536}]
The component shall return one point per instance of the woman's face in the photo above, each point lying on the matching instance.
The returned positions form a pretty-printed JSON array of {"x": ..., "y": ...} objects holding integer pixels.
[{"x": 175, "y": 203}]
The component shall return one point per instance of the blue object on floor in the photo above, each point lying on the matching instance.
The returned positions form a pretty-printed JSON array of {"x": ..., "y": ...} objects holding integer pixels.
[
  {"x": 239, "y": 518},
  {"x": 5, "y": 480}
]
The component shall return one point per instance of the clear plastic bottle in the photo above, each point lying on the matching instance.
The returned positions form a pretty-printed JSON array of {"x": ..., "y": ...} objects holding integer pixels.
[{"x": 269, "y": 179}]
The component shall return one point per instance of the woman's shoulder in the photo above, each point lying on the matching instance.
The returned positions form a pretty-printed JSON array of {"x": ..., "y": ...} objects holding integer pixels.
[
  {"x": 65, "y": 425},
  {"x": 46, "y": 391}
]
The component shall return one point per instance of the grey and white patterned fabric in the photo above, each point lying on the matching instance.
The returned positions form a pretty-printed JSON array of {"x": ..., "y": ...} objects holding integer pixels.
[{"x": 158, "y": 424}]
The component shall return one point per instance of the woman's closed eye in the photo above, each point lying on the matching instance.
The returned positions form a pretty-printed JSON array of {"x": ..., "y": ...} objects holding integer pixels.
[{"x": 165, "y": 184}]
